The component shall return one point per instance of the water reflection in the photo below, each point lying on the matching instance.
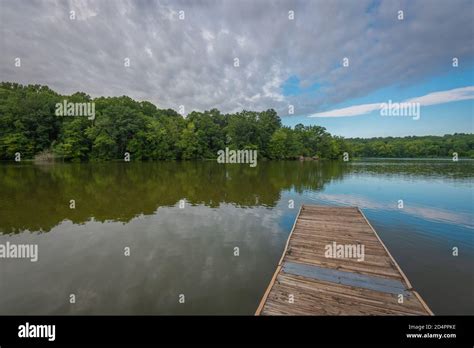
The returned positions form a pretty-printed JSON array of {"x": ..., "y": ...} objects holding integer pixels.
[
  {"x": 464, "y": 219},
  {"x": 36, "y": 198},
  {"x": 191, "y": 250}
]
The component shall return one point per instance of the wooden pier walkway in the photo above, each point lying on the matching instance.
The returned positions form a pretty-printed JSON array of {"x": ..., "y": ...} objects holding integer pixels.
[{"x": 311, "y": 279}]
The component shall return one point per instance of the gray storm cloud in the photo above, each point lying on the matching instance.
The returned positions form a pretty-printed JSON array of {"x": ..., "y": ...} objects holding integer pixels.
[{"x": 190, "y": 62}]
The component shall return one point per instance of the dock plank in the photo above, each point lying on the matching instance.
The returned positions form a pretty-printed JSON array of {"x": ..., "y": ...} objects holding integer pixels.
[{"x": 307, "y": 281}]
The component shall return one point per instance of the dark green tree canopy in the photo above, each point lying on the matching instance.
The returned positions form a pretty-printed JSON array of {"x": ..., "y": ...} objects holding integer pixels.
[{"x": 29, "y": 125}]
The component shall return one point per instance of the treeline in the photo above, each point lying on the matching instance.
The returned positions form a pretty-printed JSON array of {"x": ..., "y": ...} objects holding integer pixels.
[
  {"x": 414, "y": 146},
  {"x": 29, "y": 126}
]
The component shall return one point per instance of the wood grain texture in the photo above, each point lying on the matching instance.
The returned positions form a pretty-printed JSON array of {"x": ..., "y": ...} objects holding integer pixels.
[{"x": 315, "y": 227}]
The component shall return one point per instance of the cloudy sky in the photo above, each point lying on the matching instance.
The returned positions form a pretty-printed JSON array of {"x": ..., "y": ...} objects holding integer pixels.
[{"x": 284, "y": 58}]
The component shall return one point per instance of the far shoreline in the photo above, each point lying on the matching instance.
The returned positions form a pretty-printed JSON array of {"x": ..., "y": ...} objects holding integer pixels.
[{"x": 356, "y": 159}]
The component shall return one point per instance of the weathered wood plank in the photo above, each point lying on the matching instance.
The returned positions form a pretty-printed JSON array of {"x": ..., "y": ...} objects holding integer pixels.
[
  {"x": 391, "y": 286},
  {"x": 359, "y": 294},
  {"x": 319, "y": 285},
  {"x": 379, "y": 271}
]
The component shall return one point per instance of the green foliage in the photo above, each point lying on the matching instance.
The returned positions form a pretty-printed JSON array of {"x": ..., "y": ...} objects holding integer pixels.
[
  {"x": 28, "y": 123},
  {"x": 73, "y": 144},
  {"x": 414, "y": 146},
  {"x": 284, "y": 144},
  {"x": 208, "y": 134},
  {"x": 29, "y": 126}
]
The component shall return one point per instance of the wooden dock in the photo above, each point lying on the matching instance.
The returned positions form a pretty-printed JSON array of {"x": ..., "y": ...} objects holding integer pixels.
[{"x": 312, "y": 280}]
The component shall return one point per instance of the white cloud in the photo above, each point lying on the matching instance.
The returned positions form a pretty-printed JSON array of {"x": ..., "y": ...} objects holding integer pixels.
[
  {"x": 149, "y": 52},
  {"x": 207, "y": 35},
  {"x": 349, "y": 111},
  {"x": 442, "y": 97},
  {"x": 190, "y": 62}
]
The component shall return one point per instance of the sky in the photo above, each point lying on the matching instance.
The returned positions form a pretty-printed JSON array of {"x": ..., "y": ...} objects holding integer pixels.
[{"x": 330, "y": 63}]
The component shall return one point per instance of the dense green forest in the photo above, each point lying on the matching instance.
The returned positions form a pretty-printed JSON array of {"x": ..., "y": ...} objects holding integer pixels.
[
  {"x": 413, "y": 146},
  {"x": 30, "y": 126}
]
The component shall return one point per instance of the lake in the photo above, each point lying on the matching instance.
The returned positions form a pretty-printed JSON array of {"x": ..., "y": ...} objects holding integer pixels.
[{"x": 205, "y": 238}]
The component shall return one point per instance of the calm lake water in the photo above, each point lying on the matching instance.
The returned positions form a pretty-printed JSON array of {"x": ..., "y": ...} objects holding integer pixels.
[{"x": 190, "y": 251}]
